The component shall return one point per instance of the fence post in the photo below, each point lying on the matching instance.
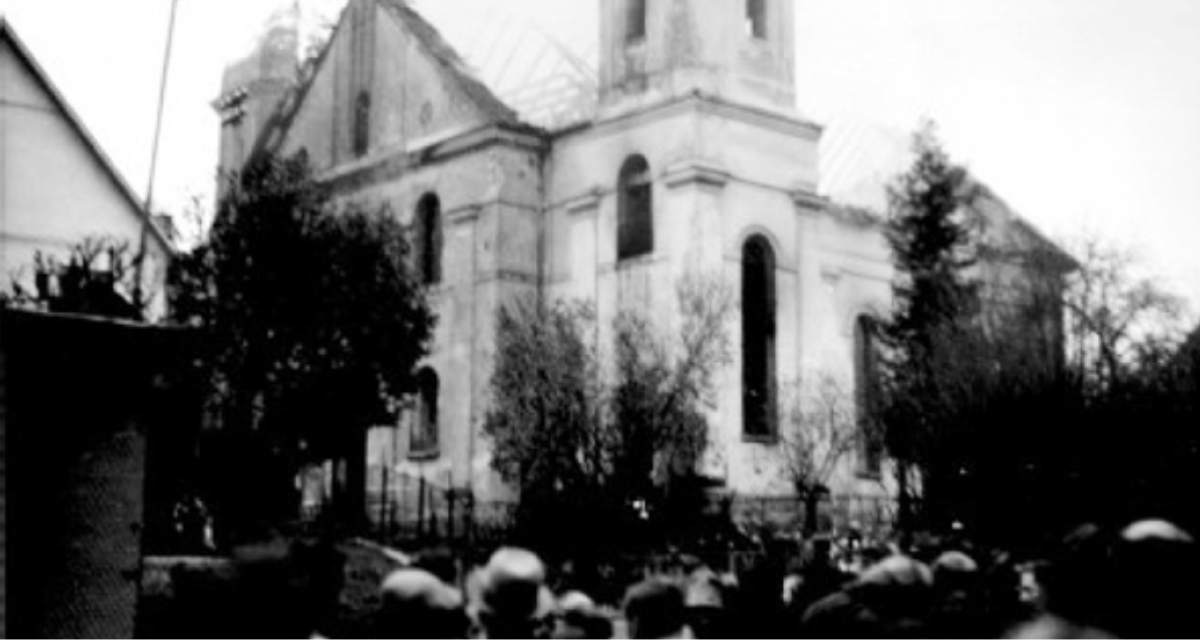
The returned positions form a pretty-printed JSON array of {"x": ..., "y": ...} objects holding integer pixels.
[
  {"x": 450, "y": 495},
  {"x": 384, "y": 498},
  {"x": 421, "y": 508}
]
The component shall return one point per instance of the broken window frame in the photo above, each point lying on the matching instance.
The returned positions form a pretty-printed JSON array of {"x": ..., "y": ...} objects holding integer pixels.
[
  {"x": 635, "y": 216},
  {"x": 759, "y": 308}
]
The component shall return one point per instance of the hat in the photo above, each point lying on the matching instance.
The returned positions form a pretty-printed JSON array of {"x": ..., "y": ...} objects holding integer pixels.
[
  {"x": 655, "y": 609},
  {"x": 897, "y": 570},
  {"x": 954, "y": 562},
  {"x": 416, "y": 604},
  {"x": 580, "y": 618},
  {"x": 703, "y": 591},
  {"x": 511, "y": 586},
  {"x": 575, "y": 601},
  {"x": 418, "y": 588},
  {"x": 1155, "y": 530}
]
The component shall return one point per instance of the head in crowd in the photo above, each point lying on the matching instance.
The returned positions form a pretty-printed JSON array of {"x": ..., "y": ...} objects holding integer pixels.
[
  {"x": 578, "y": 617},
  {"x": 705, "y": 603},
  {"x": 1156, "y": 572},
  {"x": 1079, "y": 584},
  {"x": 417, "y": 604},
  {"x": 509, "y": 598},
  {"x": 655, "y": 609},
  {"x": 953, "y": 571}
]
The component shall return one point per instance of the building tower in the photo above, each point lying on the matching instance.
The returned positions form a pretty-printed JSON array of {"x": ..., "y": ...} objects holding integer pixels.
[{"x": 739, "y": 51}]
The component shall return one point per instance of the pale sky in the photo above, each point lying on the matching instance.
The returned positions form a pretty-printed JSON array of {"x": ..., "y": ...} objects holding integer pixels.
[{"x": 1082, "y": 114}]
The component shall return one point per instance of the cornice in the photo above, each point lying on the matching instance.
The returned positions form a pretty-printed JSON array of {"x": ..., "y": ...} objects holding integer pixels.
[
  {"x": 585, "y": 203},
  {"x": 700, "y": 103},
  {"x": 464, "y": 214},
  {"x": 393, "y": 163},
  {"x": 698, "y": 172},
  {"x": 808, "y": 202}
]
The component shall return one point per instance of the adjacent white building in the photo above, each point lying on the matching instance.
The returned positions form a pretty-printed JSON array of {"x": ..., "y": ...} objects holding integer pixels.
[{"x": 57, "y": 187}]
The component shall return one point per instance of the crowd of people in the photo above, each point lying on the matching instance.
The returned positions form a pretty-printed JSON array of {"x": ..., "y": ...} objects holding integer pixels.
[{"x": 1135, "y": 581}]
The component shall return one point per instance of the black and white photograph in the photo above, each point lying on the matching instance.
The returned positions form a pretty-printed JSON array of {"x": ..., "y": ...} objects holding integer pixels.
[{"x": 599, "y": 318}]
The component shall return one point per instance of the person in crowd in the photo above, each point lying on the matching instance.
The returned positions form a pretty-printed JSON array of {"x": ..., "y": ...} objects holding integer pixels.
[
  {"x": 816, "y": 576},
  {"x": 889, "y": 600},
  {"x": 1135, "y": 582},
  {"x": 578, "y": 617},
  {"x": 509, "y": 597},
  {"x": 654, "y": 608},
  {"x": 417, "y": 604},
  {"x": 1156, "y": 570},
  {"x": 957, "y": 611},
  {"x": 704, "y": 599}
]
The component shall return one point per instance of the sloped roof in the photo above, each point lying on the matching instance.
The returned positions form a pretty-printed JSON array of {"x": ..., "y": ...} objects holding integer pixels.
[
  {"x": 540, "y": 59},
  {"x": 9, "y": 34},
  {"x": 859, "y": 160},
  {"x": 493, "y": 109},
  {"x": 450, "y": 61}
]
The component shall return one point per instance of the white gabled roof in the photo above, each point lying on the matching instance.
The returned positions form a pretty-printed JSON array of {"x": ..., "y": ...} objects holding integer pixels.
[{"x": 9, "y": 35}]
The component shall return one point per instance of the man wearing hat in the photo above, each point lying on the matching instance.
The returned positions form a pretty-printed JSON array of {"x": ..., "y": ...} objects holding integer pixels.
[
  {"x": 509, "y": 598},
  {"x": 578, "y": 617},
  {"x": 655, "y": 608},
  {"x": 416, "y": 604}
]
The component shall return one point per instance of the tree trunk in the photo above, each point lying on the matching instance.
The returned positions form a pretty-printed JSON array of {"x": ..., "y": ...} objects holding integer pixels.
[
  {"x": 350, "y": 500},
  {"x": 904, "y": 517},
  {"x": 812, "y": 505}
]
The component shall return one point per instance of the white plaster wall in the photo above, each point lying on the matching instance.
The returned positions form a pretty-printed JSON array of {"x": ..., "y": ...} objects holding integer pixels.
[
  {"x": 828, "y": 270},
  {"x": 54, "y": 192}
]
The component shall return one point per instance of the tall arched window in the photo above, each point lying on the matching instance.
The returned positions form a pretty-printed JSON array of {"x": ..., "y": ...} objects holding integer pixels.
[
  {"x": 424, "y": 437},
  {"x": 635, "y": 21},
  {"x": 362, "y": 123},
  {"x": 867, "y": 390},
  {"x": 429, "y": 239},
  {"x": 758, "y": 338},
  {"x": 635, "y": 209}
]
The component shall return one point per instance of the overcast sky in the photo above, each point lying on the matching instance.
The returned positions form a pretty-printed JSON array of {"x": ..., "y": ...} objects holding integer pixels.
[{"x": 1080, "y": 113}]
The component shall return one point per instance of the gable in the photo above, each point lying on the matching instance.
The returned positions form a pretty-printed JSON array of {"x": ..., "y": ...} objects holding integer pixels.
[
  {"x": 57, "y": 184},
  {"x": 18, "y": 84},
  {"x": 386, "y": 55},
  {"x": 1005, "y": 233}
]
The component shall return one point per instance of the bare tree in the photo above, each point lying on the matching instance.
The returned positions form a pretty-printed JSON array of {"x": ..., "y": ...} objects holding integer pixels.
[
  {"x": 821, "y": 429},
  {"x": 596, "y": 455},
  {"x": 99, "y": 277},
  {"x": 1115, "y": 318}
]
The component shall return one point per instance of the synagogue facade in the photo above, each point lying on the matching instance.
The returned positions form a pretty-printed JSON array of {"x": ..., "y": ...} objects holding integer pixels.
[{"x": 692, "y": 161}]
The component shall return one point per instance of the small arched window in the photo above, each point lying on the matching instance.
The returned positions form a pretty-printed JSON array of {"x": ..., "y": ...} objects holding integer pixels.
[
  {"x": 424, "y": 437},
  {"x": 756, "y": 18},
  {"x": 758, "y": 338},
  {"x": 635, "y": 210},
  {"x": 362, "y": 123},
  {"x": 867, "y": 385},
  {"x": 635, "y": 21},
  {"x": 429, "y": 239}
]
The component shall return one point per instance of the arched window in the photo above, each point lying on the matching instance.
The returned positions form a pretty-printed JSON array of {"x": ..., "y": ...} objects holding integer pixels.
[
  {"x": 635, "y": 21},
  {"x": 867, "y": 390},
  {"x": 635, "y": 210},
  {"x": 429, "y": 239},
  {"x": 758, "y": 338},
  {"x": 424, "y": 437},
  {"x": 362, "y": 123},
  {"x": 756, "y": 18}
]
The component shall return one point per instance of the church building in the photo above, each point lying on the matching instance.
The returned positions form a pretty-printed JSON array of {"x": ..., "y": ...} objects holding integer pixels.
[{"x": 691, "y": 159}]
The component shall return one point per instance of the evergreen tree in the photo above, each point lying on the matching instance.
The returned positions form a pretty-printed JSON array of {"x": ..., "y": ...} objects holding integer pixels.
[
  {"x": 311, "y": 324},
  {"x": 935, "y": 304}
]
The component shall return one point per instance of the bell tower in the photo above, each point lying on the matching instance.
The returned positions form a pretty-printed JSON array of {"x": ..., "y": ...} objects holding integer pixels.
[{"x": 740, "y": 51}]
